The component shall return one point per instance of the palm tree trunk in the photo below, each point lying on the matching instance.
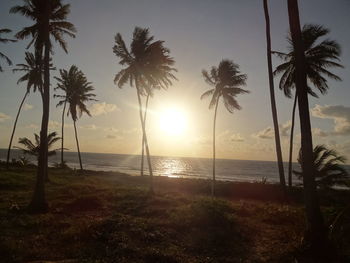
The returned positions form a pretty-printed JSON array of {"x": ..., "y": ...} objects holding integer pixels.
[
  {"x": 273, "y": 100},
  {"x": 290, "y": 182},
  {"x": 316, "y": 236},
  {"x": 143, "y": 137},
  {"x": 62, "y": 132},
  {"x": 14, "y": 129},
  {"x": 38, "y": 202},
  {"x": 214, "y": 129},
  {"x": 76, "y": 139}
]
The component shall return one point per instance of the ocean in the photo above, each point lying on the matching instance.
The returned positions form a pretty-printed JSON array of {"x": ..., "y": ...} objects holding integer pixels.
[{"x": 183, "y": 167}]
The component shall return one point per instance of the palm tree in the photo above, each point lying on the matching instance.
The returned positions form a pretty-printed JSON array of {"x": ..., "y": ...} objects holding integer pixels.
[
  {"x": 146, "y": 65},
  {"x": 5, "y": 40},
  {"x": 33, "y": 77},
  {"x": 49, "y": 21},
  {"x": 316, "y": 237},
  {"x": 76, "y": 90},
  {"x": 327, "y": 164},
  {"x": 34, "y": 148},
  {"x": 227, "y": 81},
  {"x": 319, "y": 56},
  {"x": 273, "y": 100}
]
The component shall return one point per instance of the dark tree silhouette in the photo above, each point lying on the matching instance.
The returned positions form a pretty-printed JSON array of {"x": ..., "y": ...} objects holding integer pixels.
[
  {"x": 5, "y": 40},
  {"x": 77, "y": 91},
  {"x": 226, "y": 80},
  {"x": 319, "y": 56},
  {"x": 49, "y": 21},
  {"x": 33, "y": 74},
  {"x": 272, "y": 97},
  {"x": 328, "y": 166},
  {"x": 34, "y": 148},
  {"x": 146, "y": 65},
  {"x": 315, "y": 235}
]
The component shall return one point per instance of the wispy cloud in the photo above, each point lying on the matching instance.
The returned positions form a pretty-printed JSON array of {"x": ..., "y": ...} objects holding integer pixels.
[
  {"x": 103, "y": 108},
  {"x": 4, "y": 117},
  {"x": 27, "y": 107}
]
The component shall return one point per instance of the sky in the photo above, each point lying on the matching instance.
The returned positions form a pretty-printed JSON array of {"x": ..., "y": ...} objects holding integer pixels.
[{"x": 199, "y": 34}]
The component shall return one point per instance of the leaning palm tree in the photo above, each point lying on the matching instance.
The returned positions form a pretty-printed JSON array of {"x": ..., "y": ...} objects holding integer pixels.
[
  {"x": 77, "y": 91},
  {"x": 328, "y": 166},
  {"x": 5, "y": 40},
  {"x": 272, "y": 98},
  {"x": 227, "y": 81},
  {"x": 33, "y": 148},
  {"x": 49, "y": 18},
  {"x": 146, "y": 65},
  {"x": 33, "y": 76},
  {"x": 319, "y": 57}
]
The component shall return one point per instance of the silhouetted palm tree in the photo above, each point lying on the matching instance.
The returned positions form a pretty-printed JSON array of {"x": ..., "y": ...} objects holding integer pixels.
[
  {"x": 76, "y": 90},
  {"x": 49, "y": 21},
  {"x": 146, "y": 65},
  {"x": 316, "y": 236},
  {"x": 33, "y": 77},
  {"x": 327, "y": 163},
  {"x": 5, "y": 40},
  {"x": 34, "y": 148},
  {"x": 272, "y": 97},
  {"x": 319, "y": 56},
  {"x": 226, "y": 80}
]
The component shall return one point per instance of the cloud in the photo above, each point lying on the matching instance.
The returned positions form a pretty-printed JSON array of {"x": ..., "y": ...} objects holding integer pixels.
[
  {"x": 285, "y": 128},
  {"x": 4, "y": 117},
  {"x": 110, "y": 136},
  {"x": 103, "y": 108},
  {"x": 236, "y": 138},
  {"x": 32, "y": 126},
  {"x": 319, "y": 132},
  {"x": 54, "y": 124},
  {"x": 265, "y": 133},
  {"x": 27, "y": 107},
  {"x": 339, "y": 113},
  {"x": 89, "y": 127}
]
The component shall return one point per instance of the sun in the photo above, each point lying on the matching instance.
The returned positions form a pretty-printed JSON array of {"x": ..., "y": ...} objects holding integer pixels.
[{"x": 173, "y": 122}]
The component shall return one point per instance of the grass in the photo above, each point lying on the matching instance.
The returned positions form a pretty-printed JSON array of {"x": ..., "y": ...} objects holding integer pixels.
[{"x": 112, "y": 217}]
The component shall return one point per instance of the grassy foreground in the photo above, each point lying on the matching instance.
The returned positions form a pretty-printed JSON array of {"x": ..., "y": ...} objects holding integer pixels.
[{"x": 111, "y": 217}]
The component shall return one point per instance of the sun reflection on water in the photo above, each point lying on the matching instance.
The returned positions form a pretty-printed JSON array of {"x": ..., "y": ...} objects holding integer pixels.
[{"x": 176, "y": 168}]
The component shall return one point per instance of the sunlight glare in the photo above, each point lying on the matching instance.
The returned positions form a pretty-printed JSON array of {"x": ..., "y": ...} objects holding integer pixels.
[{"x": 173, "y": 122}]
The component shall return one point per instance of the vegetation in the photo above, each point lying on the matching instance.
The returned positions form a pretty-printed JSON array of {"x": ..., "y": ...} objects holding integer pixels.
[
  {"x": 5, "y": 40},
  {"x": 77, "y": 91},
  {"x": 227, "y": 82},
  {"x": 318, "y": 58},
  {"x": 272, "y": 97},
  {"x": 328, "y": 166},
  {"x": 110, "y": 217},
  {"x": 147, "y": 66},
  {"x": 49, "y": 21},
  {"x": 31, "y": 148},
  {"x": 33, "y": 76}
]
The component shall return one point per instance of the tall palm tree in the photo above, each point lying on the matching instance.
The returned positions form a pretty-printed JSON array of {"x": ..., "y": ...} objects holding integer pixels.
[
  {"x": 77, "y": 91},
  {"x": 146, "y": 65},
  {"x": 33, "y": 76},
  {"x": 5, "y": 40},
  {"x": 49, "y": 18},
  {"x": 328, "y": 166},
  {"x": 319, "y": 57},
  {"x": 272, "y": 97},
  {"x": 316, "y": 236},
  {"x": 34, "y": 148},
  {"x": 227, "y": 81}
]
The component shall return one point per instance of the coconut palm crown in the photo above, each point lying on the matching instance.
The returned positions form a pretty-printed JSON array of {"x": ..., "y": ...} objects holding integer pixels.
[
  {"x": 328, "y": 167},
  {"x": 319, "y": 57},
  {"x": 5, "y": 40}
]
